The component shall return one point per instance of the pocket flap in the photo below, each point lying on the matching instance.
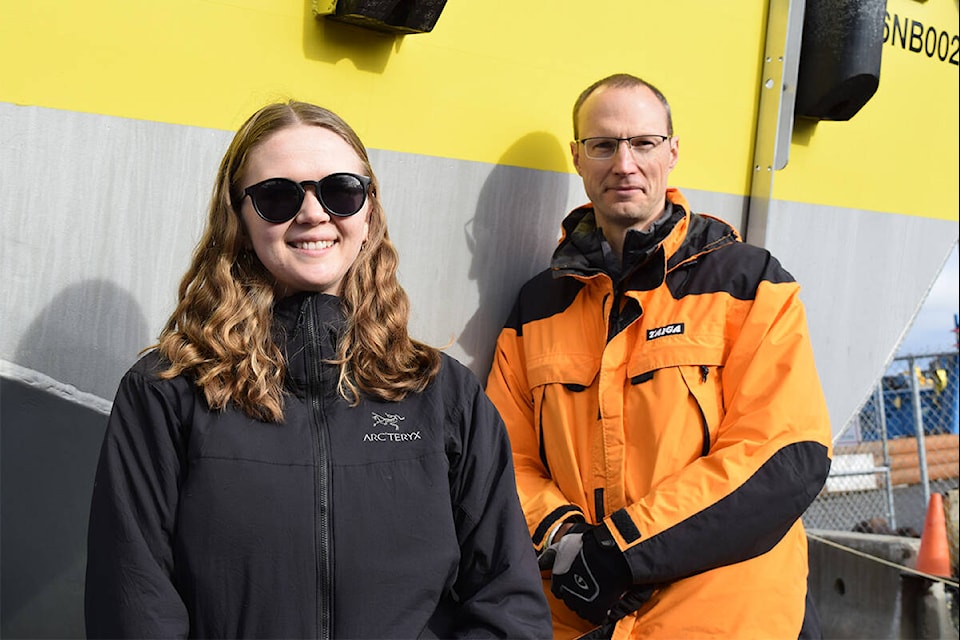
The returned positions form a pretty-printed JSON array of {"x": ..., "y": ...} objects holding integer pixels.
[
  {"x": 563, "y": 368},
  {"x": 672, "y": 351}
]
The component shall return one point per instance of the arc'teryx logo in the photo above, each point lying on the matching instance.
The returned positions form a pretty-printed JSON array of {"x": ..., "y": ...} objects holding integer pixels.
[
  {"x": 668, "y": 330},
  {"x": 389, "y": 420}
]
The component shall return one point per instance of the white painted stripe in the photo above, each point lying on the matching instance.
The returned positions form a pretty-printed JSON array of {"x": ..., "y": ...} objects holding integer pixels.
[{"x": 45, "y": 383}]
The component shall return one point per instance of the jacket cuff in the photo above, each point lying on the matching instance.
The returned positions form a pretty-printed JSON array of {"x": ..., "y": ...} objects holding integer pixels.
[{"x": 547, "y": 529}]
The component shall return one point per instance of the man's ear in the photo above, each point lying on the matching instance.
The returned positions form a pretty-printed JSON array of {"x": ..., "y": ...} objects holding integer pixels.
[
  {"x": 674, "y": 152},
  {"x": 575, "y": 153}
]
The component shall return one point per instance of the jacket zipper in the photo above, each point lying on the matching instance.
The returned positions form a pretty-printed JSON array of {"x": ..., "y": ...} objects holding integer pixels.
[
  {"x": 322, "y": 476},
  {"x": 613, "y": 320}
]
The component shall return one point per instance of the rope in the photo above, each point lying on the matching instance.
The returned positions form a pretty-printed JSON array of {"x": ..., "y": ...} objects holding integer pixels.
[{"x": 947, "y": 581}]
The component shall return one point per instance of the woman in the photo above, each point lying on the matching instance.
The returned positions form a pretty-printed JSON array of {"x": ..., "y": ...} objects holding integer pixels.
[{"x": 288, "y": 462}]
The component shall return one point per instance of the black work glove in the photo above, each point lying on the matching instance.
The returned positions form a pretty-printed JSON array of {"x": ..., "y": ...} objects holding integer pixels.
[
  {"x": 590, "y": 573},
  {"x": 632, "y": 600}
]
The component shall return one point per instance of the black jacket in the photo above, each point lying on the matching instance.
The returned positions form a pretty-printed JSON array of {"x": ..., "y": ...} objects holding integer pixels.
[{"x": 385, "y": 520}]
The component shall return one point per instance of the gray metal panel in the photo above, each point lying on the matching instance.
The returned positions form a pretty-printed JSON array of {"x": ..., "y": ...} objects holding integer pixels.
[
  {"x": 728, "y": 207},
  {"x": 469, "y": 235},
  {"x": 99, "y": 216},
  {"x": 864, "y": 276}
]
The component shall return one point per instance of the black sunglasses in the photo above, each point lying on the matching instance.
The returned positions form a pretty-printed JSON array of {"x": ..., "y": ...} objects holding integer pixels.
[{"x": 279, "y": 199}]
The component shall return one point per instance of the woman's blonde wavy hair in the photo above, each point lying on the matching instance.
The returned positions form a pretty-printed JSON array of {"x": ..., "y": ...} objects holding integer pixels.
[{"x": 221, "y": 331}]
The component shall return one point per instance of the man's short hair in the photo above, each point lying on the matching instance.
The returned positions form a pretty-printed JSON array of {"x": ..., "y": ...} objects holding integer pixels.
[{"x": 619, "y": 81}]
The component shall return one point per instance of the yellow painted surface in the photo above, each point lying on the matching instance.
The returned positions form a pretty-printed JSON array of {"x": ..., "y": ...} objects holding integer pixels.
[
  {"x": 493, "y": 82},
  {"x": 899, "y": 153},
  {"x": 490, "y": 74}
]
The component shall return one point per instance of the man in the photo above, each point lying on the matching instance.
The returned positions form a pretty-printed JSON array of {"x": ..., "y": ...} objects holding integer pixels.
[{"x": 666, "y": 417}]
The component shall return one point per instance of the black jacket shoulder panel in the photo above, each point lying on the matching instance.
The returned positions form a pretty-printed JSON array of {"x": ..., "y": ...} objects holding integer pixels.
[
  {"x": 545, "y": 295},
  {"x": 713, "y": 260}
]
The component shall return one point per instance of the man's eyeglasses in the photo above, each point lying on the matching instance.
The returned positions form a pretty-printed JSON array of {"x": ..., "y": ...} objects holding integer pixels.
[
  {"x": 278, "y": 200},
  {"x": 605, "y": 148}
]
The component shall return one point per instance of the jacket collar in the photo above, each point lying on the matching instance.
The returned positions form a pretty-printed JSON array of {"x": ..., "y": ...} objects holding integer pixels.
[
  {"x": 307, "y": 328},
  {"x": 584, "y": 251}
]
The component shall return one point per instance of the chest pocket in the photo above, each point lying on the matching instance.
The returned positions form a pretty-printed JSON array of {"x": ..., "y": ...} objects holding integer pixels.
[
  {"x": 695, "y": 364},
  {"x": 564, "y": 395}
]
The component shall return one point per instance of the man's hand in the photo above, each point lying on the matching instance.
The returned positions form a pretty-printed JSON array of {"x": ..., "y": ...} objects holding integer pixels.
[
  {"x": 548, "y": 556},
  {"x": 590, "y": 573}
]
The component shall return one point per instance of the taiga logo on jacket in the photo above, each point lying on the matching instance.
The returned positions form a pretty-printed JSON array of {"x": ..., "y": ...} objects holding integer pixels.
[
  {"x": 668, "y": 330},
  {"x": 389, "y": 420}
]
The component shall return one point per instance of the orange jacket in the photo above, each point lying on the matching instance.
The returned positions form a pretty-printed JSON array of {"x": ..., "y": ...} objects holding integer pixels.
[{"x": 681, "y": 409}]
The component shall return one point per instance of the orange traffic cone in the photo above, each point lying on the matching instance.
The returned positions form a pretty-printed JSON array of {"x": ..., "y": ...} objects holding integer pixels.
[{"x": 934, "y": 555}]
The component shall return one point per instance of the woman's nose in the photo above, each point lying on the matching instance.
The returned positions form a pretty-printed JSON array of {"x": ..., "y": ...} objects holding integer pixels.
[{"x": 311, "y": 211}]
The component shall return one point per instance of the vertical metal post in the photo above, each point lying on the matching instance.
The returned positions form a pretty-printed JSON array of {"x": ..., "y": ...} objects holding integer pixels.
[
  {"x": 778, "y": 92},
  {"x": 918, "y": 427},
  {"x": 882, "y": 420}
]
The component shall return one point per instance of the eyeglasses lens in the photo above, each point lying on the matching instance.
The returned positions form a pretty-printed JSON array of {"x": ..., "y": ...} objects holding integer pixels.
[
  {"x": 342, "y": 194},
  {"x": 601, "y": 148},
  {"x": 278, "y": 200}
]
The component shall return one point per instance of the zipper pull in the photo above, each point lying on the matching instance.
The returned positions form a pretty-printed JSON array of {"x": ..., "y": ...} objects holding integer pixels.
[{"x": 704, "y": 372}]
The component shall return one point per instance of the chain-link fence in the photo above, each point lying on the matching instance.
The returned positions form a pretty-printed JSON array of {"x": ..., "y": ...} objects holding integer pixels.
[{"x": 885, "y": 467}]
